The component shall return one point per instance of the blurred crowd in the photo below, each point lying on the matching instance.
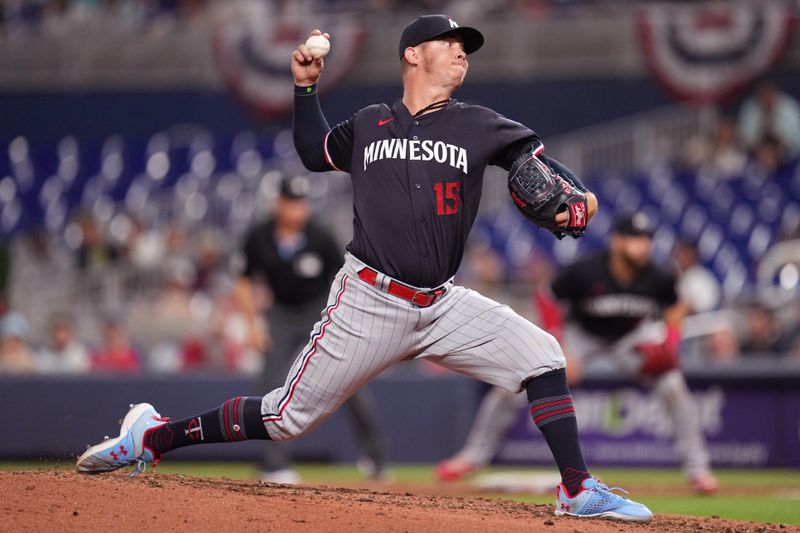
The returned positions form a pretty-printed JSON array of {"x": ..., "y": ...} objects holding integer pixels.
[
  {"x": 761, "y": 141},
  {"x": 763, "y": 137},
  {"x": 157, "y": 301},
  {"x": 42, "y": 13},
  {"x": 47, "y": 13}
]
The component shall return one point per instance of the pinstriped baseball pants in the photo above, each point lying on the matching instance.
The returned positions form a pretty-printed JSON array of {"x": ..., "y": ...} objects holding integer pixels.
[{"x": 364, "y": 330}]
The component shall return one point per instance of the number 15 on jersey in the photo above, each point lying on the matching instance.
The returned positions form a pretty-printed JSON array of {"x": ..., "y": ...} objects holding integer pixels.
[{"x": 448, "y": 197}]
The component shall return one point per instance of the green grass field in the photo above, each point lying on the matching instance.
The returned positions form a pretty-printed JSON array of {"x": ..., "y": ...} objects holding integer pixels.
[{"x": 758, "y": 495}]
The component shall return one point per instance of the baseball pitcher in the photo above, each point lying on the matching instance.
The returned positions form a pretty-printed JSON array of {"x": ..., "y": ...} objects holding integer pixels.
[{"x": 417, "y": 170}]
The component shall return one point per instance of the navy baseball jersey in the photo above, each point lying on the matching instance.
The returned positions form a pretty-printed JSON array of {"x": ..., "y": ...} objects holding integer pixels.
[
  {"x": 604, "y": 307},
  {"x": 417, "y": 182}
]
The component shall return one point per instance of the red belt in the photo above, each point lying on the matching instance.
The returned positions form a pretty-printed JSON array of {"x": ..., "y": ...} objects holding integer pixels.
[{"x": 415, "y": 296}]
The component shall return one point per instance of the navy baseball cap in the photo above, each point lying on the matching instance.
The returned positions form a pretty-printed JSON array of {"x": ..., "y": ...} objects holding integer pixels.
[
  {"x": 634, "y": 225},
  {"x": 294, "y": 187},
  {"x": 429, "y": 27}
]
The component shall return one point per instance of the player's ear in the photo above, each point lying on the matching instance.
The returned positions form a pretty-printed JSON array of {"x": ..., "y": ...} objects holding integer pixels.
[{"x": 411, "y": 55}]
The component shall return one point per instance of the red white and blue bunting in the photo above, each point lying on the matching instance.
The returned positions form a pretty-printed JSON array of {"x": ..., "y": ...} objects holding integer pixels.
[
  {"x": 708, "y": 52},
  {"x": 253, "y": 43}
]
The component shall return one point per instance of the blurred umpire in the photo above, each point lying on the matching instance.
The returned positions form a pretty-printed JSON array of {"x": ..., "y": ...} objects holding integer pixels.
[{"x": 297, "y": 260}]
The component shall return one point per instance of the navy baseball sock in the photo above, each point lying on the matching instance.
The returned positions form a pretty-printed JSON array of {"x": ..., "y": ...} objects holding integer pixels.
[
  {"x": 237, "y": 419},
  {"x": 553, "y": 413}
]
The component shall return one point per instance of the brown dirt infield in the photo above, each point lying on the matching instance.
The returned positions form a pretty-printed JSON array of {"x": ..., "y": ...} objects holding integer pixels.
[{"x": 64, "y": 501}]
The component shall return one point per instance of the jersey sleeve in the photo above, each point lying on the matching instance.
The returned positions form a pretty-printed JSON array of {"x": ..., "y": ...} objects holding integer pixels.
[
  {"x": 564, "y": 171},
  {"x": 511, "y": 139},
  {"x": 319, "y": 147},
  {"x": 338, "y": 145}
]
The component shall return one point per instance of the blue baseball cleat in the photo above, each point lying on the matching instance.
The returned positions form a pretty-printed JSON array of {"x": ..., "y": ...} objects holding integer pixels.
[
  {"x": 128, "y": 448},
  {"x": 596, "y": 500}
]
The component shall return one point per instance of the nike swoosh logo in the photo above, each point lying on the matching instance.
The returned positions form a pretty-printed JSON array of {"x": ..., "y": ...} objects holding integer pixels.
[{"x": 385, "y": 121}]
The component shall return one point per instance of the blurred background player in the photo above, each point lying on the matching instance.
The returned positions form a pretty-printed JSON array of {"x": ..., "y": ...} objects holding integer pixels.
[
  {"x": 624, "y": 308},
  {"x": 297, "y": 259}
]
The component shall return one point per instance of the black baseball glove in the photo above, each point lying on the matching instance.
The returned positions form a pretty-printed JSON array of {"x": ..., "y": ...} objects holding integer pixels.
[{"x": 541, "y": 193}]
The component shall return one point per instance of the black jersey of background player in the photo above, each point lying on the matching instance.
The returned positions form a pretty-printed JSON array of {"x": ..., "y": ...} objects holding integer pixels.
[
  {"x": 298, "y": 276},
  {"x": 603, "y": 307},
  {"x": 417, "y": 182}
]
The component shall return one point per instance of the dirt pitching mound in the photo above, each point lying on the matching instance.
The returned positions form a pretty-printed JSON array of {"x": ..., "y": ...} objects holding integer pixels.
[{"x": 64, "y": 501}]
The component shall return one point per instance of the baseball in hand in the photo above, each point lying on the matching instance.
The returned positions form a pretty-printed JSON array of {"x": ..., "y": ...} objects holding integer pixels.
[{"x": 318, "y": 46}]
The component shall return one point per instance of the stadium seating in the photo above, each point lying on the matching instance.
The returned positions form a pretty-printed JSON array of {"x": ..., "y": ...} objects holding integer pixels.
[
  {"x": 733, "y": 222},
  {"x": 199, "y": 178}
]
